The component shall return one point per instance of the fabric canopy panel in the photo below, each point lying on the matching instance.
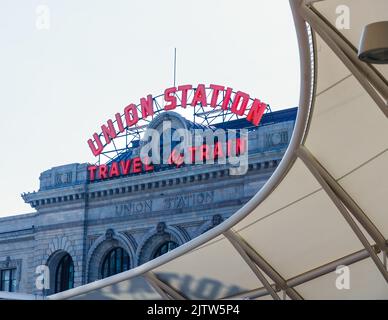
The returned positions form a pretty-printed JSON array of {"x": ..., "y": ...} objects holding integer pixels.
[
  {"x": 360, "y": 14},
  {"x": 324, "y": 207}
]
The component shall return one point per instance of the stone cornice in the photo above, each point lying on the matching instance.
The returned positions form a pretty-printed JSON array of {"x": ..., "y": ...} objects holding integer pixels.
[{"x": 77, "y": 195}]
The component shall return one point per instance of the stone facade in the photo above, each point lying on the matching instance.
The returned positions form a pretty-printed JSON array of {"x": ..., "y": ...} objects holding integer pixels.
[{"x": 137, "y": 213}]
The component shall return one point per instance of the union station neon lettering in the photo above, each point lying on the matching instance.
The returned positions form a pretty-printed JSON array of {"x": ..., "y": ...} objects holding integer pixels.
[{"x": 131, "y": 116}]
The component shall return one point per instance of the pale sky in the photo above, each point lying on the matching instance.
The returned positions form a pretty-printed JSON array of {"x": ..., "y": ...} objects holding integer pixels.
[{"x": 58, "y": 86}]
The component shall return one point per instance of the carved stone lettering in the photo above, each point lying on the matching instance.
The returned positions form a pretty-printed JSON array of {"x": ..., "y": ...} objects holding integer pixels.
[
  {"x": 133, "y": 208},
  {"x": 189, "y": 200}
]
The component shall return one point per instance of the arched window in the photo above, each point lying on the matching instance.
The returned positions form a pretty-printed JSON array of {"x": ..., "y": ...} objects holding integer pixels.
[
  {"x": 64, "y": 275},
  {"x": 116, "y": 261},
  {"x": 164, "y": 248}
]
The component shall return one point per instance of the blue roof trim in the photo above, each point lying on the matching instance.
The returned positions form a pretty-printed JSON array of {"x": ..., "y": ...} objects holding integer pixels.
[{"x": 268, "y": 118}]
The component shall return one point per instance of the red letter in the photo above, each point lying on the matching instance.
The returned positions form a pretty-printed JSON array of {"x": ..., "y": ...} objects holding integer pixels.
[
  {"x": 199, "y": 96},
  {"x": 136, "y": 162},
  {"x": 103, "y": 171},
  {"x": 184, "y": 90},
  {"x": 92, "y": 171},
  {"x": 216, "y": 90},
  {"x": 147, "y": 106},
  {"x": 244, "y": 103},
  {"x": 229, "y": 147},
  {"x": 176, "y": 158},
  {"x": 114, "y": 170},
  {"x": 218, "y": 152},
  {"x": 205, "y": 152},
  {"x": 225, "y": 102},
  {"x": 240, "y": 146},
  {"x": 169, "y": 96},
  {"x": 148, "y": 165},
  {"x": 192, "y": 152},
  {"x": 98, "y": 150},
  {"x": 124, "y": 165},
  {"x": 108, "y": 132},
  {"x": 256, "y": 111},
  {"x": 131, "y": 120}
]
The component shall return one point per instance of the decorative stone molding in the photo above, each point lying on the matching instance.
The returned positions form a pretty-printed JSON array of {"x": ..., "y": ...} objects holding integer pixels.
[
  {"x": 211, "y": 223},
  {"x": 38, "y": 201},
  {"x": 57, "y": 249},
  {"x": 161, "y": 227},
  {"x": 101, "y": 246},
  {"x": 156, "y": 237},
  {"x": 216, "y": 220},
  {"x": 59, "y": 243},
  {"x": 109, "y": 234},
  {"x": 9, "y": 263}
]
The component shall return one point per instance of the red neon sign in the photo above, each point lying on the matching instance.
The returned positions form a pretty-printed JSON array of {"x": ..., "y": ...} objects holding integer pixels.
[
  {"x": 131, "y": 115},
  {"x": 137, "y": 165}
]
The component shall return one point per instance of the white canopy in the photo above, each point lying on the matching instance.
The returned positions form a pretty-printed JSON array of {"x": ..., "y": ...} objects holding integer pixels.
[{"x": 326, "y": 204}]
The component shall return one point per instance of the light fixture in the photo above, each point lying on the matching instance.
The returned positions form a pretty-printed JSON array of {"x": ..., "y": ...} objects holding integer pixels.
[{"x": 373, "y": 46}]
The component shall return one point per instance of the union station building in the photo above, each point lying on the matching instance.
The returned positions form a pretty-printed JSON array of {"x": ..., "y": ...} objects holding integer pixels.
[{"x": 87, "y": 230}]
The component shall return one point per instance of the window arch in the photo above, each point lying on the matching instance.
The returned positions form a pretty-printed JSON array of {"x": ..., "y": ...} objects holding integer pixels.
[
  {"x": 64, "y": 275},
  {"x": 164, "y": 248},
  {"x": 116, "y": 261}
]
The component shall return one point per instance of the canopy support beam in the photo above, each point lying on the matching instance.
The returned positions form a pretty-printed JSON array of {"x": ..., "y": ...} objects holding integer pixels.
[
  {"x": 152, "y": 278},
  {"x": 264, "y": 265},
  {"x": 330, "y": 267},
  {"x": 159, "y": 290},
  {"x": 366, "y": 75},
  {"x": 312, "y": 274},
  {"x": 353, "y": 207},
  {"x": 230, "y": 236},
  {"x": 313, "y": 165}
]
